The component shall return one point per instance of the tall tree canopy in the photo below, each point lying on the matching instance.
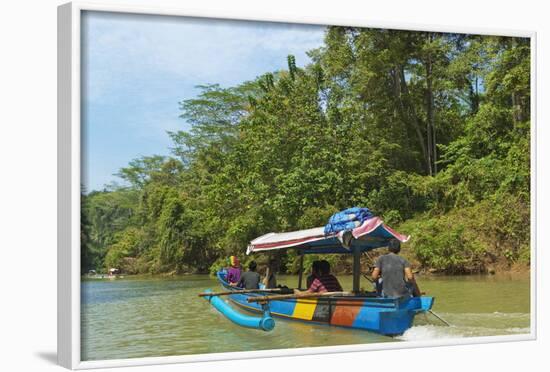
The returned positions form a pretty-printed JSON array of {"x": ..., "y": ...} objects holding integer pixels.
[{"x": 429, "y": 130}]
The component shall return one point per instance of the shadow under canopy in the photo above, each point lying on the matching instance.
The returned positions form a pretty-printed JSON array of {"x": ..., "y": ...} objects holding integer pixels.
[{"x": 371, "y": 234}]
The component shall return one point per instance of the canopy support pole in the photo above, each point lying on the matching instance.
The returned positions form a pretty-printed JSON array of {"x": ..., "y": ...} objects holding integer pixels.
[
  {"x": 301, "y": 269},
  {"x": 356, "y": 269}
]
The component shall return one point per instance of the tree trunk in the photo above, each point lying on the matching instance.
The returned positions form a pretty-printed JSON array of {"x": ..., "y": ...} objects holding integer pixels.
[
  {"x": 516, "y": 108},
  {"x": 474, "y": 97},
  {"x": 430, "y": 122},
  {"x": 409, "y": 113}
]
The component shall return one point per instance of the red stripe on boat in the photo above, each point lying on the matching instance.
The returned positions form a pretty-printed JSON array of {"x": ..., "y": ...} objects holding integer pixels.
[
  {"x": 403, "y": 238},
  {"x": 367, "y": 227},
  {"x": 290, "y": 242},
  {"x": 345, "y": 313}
]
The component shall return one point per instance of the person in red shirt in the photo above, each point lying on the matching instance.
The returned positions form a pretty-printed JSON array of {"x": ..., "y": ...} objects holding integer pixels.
[
  {"x": 314, "y": 273},
  {"x": 324, "y": 282}
]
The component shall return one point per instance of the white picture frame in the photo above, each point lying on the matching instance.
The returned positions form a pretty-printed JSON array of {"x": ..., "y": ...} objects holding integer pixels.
[{"x": 69, "y": 166}]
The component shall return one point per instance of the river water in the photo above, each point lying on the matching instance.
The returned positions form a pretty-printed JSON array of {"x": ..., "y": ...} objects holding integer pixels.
[{"x": 149, "y": 316}]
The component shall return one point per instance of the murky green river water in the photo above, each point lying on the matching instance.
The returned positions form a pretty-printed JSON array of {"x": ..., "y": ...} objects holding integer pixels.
[{"x": 144, "y": 316}]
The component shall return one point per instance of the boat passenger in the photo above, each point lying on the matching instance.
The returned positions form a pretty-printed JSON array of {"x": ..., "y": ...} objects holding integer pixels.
[
  {"x": 314, "y": 273},
  {"x": 325, "y": 282},
  {"x": 397, "y": 276},
  {"x": 234, "y": 272},
  {"x": 250, "y": 279},
  {"x": 270, "y": 281}
]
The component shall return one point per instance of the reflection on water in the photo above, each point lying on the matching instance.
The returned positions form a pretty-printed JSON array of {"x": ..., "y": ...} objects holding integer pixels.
[{"x": 139, "y": 317}]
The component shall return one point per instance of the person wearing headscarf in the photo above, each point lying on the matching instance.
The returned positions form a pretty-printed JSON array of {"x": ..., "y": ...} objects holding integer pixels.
[{"x": 234, "y": 271}]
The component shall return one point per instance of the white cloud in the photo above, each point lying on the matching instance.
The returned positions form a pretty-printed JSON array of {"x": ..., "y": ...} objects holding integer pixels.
[
  {"x": 130, "y": 48},
  {"x": 137, "y": 68}
]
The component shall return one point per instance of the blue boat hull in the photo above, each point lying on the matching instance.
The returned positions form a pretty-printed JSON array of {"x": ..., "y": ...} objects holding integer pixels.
[{"x": 387, "y": 316}]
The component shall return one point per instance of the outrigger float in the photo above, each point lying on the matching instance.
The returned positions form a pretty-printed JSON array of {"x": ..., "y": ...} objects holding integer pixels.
[{"x": 356, "y": 309}]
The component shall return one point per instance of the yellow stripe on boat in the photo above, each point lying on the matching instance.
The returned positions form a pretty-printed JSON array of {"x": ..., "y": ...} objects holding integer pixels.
[{"x": 304, "y": 309}]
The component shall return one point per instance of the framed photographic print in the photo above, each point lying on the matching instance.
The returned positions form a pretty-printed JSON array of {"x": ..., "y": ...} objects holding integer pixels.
[{"x": 238, "y": 187}]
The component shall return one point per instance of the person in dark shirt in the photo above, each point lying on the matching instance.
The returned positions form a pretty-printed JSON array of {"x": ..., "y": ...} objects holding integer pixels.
[
  {"x": 395, "y": 271},
  {"x": 270, "y": 280},
  {"x": 314, "y": 273},
  {"x": 325, "y": 282},
  {"x": 250, "y": 279}
]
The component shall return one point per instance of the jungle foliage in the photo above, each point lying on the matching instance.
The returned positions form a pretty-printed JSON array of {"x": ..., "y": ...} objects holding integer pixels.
[{"x": 428, "y": 130}]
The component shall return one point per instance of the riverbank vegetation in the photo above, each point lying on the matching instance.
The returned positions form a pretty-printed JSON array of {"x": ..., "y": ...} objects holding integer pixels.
[{"x": 428, "y": 130}]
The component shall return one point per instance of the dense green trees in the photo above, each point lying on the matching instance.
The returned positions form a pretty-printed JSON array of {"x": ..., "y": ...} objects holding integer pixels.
[{"x": 429, "y": 130}]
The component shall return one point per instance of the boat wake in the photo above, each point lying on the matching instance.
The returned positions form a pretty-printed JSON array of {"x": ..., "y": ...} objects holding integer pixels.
[{"x": 467, "y": 325}]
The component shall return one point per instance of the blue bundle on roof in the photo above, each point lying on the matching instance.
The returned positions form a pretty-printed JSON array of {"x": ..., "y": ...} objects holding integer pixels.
[{"x": 347, "y": 219}]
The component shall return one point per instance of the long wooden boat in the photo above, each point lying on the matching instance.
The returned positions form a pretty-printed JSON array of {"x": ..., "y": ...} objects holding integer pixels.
[
  {"x": 359, "y": 310},
  {"x": 387, "y": 316}
]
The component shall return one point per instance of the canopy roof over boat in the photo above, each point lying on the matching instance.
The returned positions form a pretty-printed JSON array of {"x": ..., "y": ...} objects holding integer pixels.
[{"x": 373, "y": 233}]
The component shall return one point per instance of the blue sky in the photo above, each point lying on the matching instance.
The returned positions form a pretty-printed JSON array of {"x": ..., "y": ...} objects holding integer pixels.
[{"x": 136, "y": 68}]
